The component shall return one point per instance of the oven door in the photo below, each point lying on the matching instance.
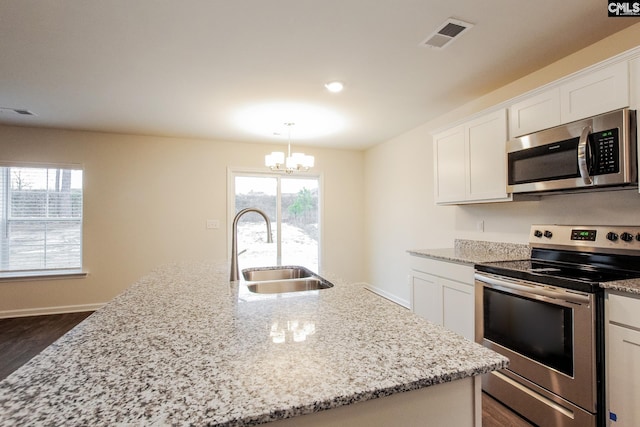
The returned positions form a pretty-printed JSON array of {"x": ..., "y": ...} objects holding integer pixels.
[{"x": 547, "y": 333}]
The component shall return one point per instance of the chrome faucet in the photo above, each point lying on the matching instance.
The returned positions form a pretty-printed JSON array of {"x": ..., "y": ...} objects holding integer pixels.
[{"x": 234, "y": 275}]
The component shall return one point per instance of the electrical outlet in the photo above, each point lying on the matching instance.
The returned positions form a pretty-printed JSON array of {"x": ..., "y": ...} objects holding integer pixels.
[
  {"x": 480, "y": 226},
  {"x": 213, "y": 224}
]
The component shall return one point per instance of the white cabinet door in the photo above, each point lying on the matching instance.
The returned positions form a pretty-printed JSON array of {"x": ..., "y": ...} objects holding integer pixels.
[
  {"x": 634, "y": 84},
  {"x": 487, "y": 164},
  {"x": 624, "y": 376},
  {"x": 458, "y": 308},
  {"x": 450, "y": 174},
  {"x": 443, "y": 293},
  {"x": 470, "y": 161},
  {"x": 595, "y": 93},
  {"x": 538, "y": 112},
  {"x": 426, "y": 297}
]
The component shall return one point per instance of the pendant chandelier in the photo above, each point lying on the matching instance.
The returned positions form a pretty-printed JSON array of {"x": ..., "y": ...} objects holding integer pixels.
[{"x": 296, "y": 162}]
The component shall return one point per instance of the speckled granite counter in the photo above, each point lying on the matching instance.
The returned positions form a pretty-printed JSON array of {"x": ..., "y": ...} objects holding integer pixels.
[
  {"x": 473, "y": 252},
  {"x": 631, "y": 286},
  {"x": 183, "y": 346},
  {"x": 476, "y": 252}
]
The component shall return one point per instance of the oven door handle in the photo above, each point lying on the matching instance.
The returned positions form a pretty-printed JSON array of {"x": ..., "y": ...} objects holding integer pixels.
[
  {"x": 532, "y": 289},
  {"x": 583, "y": 154}
]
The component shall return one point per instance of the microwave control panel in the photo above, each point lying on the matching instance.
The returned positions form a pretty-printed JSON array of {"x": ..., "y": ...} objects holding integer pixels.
[{"x": 606, "y": 152}]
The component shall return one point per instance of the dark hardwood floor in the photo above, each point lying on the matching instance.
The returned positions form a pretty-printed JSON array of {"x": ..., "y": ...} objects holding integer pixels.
[{"x": 23, "y": 337}]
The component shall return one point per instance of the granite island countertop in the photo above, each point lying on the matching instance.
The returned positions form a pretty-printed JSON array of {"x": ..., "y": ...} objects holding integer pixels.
[{"x": 184, "y": 346}]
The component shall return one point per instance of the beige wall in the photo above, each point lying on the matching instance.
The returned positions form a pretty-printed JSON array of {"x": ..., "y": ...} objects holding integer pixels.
[
  {"x": 146, "y": 202},
  {"x": 399, "y": 187}
]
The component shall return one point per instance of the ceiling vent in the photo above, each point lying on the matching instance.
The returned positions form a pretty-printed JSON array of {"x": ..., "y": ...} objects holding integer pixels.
[
  {"x": 446, "y": 34},
  {"x": 19, "y": 111}
]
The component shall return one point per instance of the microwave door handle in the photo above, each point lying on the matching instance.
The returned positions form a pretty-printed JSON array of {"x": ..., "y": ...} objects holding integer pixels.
[{"x": 583, "y": 146}]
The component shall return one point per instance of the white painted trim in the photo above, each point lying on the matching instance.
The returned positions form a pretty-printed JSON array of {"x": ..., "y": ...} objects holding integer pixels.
[
  {"x": 21, "y": 276},
  {"x": 43, "y": 311},
  {"x": 384, "y": 294}
]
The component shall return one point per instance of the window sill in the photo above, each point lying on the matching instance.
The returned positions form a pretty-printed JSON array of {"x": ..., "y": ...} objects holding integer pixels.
[{"x": 16, "y": 276}]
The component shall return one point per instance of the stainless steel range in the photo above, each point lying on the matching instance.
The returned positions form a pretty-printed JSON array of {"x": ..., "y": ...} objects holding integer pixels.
[{"x": 546, "y": 314}]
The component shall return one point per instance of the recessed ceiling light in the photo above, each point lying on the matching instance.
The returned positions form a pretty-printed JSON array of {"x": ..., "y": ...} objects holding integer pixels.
[{"x": 334, "y": 87}]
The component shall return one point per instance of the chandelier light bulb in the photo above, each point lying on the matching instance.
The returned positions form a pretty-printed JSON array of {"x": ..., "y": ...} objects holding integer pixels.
[{"x": 296, "y": 162}]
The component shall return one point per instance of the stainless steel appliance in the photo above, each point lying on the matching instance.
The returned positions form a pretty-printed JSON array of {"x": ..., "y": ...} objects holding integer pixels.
[
  {"x": 592, "y": 153},
  {"x": 546, "y": 314}
]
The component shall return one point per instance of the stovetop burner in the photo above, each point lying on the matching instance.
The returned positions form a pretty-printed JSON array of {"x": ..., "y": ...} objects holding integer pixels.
[
  {"x": 576, "y": 257},
  {"x": 565, "y": 276}
]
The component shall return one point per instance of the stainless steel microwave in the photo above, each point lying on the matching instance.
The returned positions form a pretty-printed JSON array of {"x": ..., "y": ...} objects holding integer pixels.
[{"x": 596, "y": 152}]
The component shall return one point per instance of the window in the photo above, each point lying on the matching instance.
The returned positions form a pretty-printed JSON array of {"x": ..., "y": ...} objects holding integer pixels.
[
  {"x": 40, "y": 220},
  {"x": 293, "y": 206}
]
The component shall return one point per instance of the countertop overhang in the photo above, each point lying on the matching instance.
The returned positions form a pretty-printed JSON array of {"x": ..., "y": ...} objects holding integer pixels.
[{"x": 183, "y": 345}]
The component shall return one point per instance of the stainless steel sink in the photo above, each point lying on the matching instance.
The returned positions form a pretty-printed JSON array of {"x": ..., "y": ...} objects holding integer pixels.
[
  {"x": 276, "y": 280},
  {"x": 275, "y": 273},
  {"x": 291, "y": 285}
]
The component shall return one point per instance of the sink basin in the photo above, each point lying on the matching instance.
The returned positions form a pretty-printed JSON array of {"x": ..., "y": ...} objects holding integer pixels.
[
  {"x": 275, "y": 273},
  {"x": 277, "y": 280},
  {"x": 291, "y": 285}
]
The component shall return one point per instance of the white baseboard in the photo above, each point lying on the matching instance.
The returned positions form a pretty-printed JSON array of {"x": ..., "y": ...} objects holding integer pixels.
[
  {"x": 387, "y": 295},
  {"x": 43, "y": 311}
]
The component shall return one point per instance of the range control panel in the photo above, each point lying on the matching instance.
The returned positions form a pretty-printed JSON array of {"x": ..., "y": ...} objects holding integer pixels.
[{"x": 596, "y": 237}]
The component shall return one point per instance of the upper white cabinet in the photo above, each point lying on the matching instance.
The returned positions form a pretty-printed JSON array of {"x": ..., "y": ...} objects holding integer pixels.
[
  {"x": 541, "y": 111},
  {"x": 589, "y": 94},
  {"x": 634, "y": 83},
  {"x": 470, "y": 162},
  {"x": 450, "y": 165},
  {"x": 595, "y": 93}
]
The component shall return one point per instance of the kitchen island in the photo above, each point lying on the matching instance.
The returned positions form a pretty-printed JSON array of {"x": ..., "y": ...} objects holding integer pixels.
[{"x": 183, "y": 345}]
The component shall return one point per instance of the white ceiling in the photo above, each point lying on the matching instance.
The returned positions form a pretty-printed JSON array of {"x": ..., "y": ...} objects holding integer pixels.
[{"x": 197, "y": 68}]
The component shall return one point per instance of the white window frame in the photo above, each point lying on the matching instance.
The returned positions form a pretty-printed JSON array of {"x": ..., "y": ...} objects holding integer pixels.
[
  {"x": 53, "y": 273},
  {"x": 232, "y": 172}
]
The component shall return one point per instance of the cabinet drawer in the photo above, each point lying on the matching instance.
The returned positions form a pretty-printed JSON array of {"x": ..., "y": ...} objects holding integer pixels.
[
  {"x": 624, "y": 309},
  {"x": 449, "y": 270}
]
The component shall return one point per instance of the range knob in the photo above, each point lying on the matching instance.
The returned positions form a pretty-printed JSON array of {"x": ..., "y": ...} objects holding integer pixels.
[
  {"x": 627, "y": 237},
  {"x": 638, "y": 237},
  {"x": 612, "y": 236},
  {"x": 538, "y": 233},
  {"x": 548, "y": 234}
]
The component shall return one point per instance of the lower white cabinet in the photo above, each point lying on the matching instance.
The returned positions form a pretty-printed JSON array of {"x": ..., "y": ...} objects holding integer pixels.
[
  {"x": 443, "y": 293},
  {"x": 623, "y": 360}
]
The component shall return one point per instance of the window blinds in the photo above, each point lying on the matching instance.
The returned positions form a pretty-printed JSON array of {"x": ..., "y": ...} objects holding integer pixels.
[{"x": 40, "y": 219}]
